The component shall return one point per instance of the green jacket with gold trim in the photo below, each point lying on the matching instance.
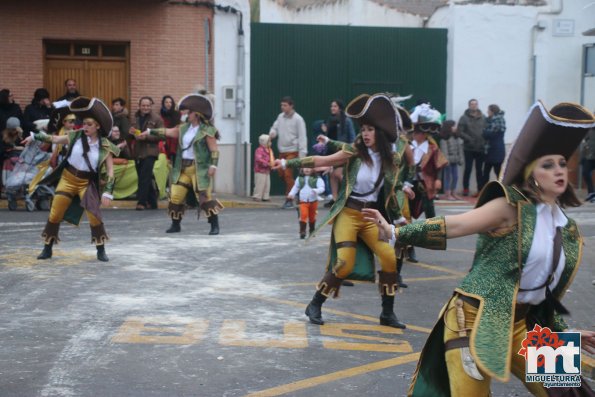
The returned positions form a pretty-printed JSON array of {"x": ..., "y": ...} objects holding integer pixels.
[
  {"x": 75, "y": 211},
  {"x": 387, "y": 203},
  {"x": 202, "y": 155},
  {"x": 494, "y": 281}
]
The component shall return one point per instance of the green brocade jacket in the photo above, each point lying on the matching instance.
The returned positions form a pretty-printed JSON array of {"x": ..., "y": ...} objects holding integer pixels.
[
  {"x": 75, "y": 211},
  {"x": 202, "y": 155},
  {"x": 494, "y": 282},
  {"x": 387, "y": 203}
]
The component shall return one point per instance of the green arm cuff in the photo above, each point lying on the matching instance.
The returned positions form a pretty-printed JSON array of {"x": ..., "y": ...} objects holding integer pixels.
[
  {"x": 109, "y": 186},
  {"x": 429, "y": 234},
  {"x": 304, "y": 162},
  {"x": 215, "y": 157},
  {"x": 160, "y": 132},
  {"x": 42, "y": 137}
]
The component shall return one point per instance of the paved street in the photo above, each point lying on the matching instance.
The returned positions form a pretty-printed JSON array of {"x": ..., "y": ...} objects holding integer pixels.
[{"x": 197, "y": 315}]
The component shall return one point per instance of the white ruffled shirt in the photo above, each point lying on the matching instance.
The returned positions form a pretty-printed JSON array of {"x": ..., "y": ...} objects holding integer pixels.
[
  {"x": 76, "y": 158},
  {"x": 367, "y": 177},
  {"x": 541, "y": 255},
  {"x": 188, "y": 154}
]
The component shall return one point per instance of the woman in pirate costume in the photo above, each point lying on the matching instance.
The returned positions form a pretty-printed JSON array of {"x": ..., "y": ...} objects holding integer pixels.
[
  {"x": 78, "y": 175},
  {"x": 527, "y": 254},
  {"x": 195, "y": 162},
  {"x": 370, "y": 176}
]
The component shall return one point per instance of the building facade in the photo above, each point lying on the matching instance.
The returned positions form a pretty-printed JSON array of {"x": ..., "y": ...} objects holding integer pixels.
[{"x": 132, "y": 49}]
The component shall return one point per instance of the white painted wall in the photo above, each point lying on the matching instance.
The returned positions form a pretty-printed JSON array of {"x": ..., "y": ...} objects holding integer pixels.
[
  {"x": 490, "y": 56},
  {"x": 490, "y": 49},
  {"x": 225, "y": 36},
  {"x": 344, "y": 12}
]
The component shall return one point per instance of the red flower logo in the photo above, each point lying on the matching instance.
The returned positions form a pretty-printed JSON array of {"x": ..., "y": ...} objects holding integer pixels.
[{"x": 539, "y": 337}]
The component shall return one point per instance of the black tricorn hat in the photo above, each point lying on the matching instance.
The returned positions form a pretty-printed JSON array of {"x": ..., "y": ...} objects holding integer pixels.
[
  {"x": 378, "y": 110},
  {"x": 94, "y": 108},
  {"x": 197, "y": 103},
  {"x": 557, "y": 131},
  {"x": 59, "y": 112}
]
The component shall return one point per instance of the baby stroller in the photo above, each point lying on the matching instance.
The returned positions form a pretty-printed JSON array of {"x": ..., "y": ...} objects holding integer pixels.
[{"x": 17, "y": 176}]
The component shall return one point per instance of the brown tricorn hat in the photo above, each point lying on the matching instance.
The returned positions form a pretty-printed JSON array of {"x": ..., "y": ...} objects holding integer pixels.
[
  {"x": 197, "y": 103},
  {"x": 94, "y": 108},
  {"x": 60, "y": 111},
  {"x": 557, "y": 131},
  {"x": 378, "y": 110}
]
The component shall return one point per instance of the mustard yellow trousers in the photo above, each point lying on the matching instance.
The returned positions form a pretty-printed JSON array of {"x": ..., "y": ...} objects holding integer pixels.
[
  {"x": 348, "y": 226},
  {"x": 462, "y": 384}
]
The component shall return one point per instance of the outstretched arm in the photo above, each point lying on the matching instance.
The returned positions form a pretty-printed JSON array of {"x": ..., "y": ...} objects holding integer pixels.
[
  {"x": 493, "y": 215},
  {"x": 334, "y": 160},
  {"x": 160, "y": 132},
  {"x": 43, "y": 137}
]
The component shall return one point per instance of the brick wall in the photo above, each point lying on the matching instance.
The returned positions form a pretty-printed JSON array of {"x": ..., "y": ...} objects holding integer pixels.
[{"x": 166, "y": 42}]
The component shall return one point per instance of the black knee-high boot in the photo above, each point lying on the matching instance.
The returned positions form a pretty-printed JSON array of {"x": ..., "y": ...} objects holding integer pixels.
[
  {"x": 214, "y": 221},
  {"x": 329, "y": 285},
  {"x": 387, "y": 283},
  {"x": 101, "y": 255},
  {"x": 314, "y": 309},
  {"x": 388, "y": 316},
  {"x": 302, "y": 230},
  {"x": 46, "y": 253},
  {"x": 175, "y": 226}
]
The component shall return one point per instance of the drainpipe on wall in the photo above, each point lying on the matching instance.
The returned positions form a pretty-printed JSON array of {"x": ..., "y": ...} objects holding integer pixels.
[
  {"x": 207, "y": 49},
  {"x": 240, "y": 113},
  {"x": 539, "y": 26}
]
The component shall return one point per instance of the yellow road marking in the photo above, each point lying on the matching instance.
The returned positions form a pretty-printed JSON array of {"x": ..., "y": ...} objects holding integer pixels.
[
  {"x": 412, "y": 279},
  {"x": 337, "y": 312},
  {"x": 388, "y": 346},
  {"x": 233, "y": 334},
  {"x": 460, "y": 250},
  {"x": 334, "y": 376},
  {"x": 59, "y": 257},
  {"x": 161, "y": 330},
  {"x": 438, "y": 268}
]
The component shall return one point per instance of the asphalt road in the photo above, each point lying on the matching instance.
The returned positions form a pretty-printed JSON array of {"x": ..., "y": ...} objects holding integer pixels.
[{"x": 197, "y": 315}]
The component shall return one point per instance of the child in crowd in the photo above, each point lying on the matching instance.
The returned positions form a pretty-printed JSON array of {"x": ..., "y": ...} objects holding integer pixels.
[
  {"x": 307, "y": 186},
  {"x": 263, "y": 160},
  {"x": 451, "y": 146},
  {"x": 117, "y": 139}
]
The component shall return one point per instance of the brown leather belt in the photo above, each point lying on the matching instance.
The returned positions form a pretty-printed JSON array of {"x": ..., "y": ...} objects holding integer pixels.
[
  {"x": 359, "y": 205},
  {"x": 520, "y": 309},
  {"x": 187, "y": 163},
  {"x": 78, "y": 173}
]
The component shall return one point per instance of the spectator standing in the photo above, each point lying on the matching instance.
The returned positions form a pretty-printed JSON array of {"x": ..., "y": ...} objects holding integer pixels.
[
  {"x": 171, "y": 118},
  {"x": 121, "y": 117},
  {"x": 146, "y": 149},
  {"x": 470, "y": 127},
  {"x": 451, "y": 145},
  {"x": 307, "y": 187},
  {"x": 8, "y": 108},
  {"x": 10, "y": 140},
  {"x": 117, "y": 139},
  {"x": 588, "y": 163},
  {"x": 290, "y": 129},
  {"x": 39, "y": 109},
  {"x": 338, "y": 127},
  {"x": 71, "y": 90},
  {"x": 493, "y": 134},
  {"x": 263, "y": 162}
]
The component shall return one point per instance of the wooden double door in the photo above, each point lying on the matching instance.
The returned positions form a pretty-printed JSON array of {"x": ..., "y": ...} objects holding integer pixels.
[{"x": 98, "y": 76}]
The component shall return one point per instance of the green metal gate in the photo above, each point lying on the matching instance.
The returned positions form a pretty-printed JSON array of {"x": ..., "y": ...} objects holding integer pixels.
[{"x": 315, "y": 64}]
